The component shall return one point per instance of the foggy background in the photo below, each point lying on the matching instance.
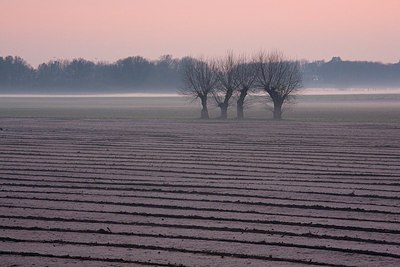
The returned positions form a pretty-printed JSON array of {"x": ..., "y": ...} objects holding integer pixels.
[{"x": 164, "y": 75}]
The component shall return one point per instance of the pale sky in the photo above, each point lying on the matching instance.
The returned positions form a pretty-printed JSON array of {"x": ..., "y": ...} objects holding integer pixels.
[{"x": 107, "y": 30}]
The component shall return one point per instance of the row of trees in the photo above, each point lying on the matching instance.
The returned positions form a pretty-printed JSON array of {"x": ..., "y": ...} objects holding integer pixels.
[
  {"x": 338, "y": 73},
  {"x": 138, "y": 74},
  {"x": 80, "y": 75},
  {"x": 234, "y": 77}
]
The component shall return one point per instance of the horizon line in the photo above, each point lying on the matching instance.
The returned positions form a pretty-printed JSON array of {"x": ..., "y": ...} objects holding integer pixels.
[{"x": 97, "y": 61}]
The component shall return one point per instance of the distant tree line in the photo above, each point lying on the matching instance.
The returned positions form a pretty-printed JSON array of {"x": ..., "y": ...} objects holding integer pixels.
[
  {"x": 132, "y": 74},
  {"x": 338, "y": 73},
  {"x": 138, "y": 74}
]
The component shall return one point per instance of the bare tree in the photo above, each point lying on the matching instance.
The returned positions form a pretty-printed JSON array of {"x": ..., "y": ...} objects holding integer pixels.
[
  {"x": 227, "y": 83},
  {"x": 279, "y": 77},
  {"x": 199, "y": 80},
  {"x": 246, "y": 74}
]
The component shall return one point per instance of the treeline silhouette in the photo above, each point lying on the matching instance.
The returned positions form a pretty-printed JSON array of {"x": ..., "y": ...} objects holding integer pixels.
[
  {"x": 80, "y": 75},
  {"x": 338, "y": 73},
  {"x": 138, "y": 74}
]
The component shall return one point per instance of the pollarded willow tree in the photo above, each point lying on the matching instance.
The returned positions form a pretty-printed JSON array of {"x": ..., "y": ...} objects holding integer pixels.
[
  {"x": 226, "y": 72},
  {"x": 199, "y": 80},
  {"x": 245, "y": 75},
  {"x": 279, "y": 77}
]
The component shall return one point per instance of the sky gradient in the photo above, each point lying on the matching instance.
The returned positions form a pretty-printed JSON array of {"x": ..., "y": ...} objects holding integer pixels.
[{"x": 107, "y": 30}]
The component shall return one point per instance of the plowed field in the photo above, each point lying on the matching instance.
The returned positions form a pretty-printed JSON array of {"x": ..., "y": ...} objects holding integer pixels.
[{"x": 100, "y": 192}]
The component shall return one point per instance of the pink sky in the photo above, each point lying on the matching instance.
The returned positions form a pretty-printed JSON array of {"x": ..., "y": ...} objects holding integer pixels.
[{"x": 40, "y": 30}]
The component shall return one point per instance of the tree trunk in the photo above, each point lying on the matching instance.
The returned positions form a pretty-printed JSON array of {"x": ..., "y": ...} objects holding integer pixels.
[
  {"x": 204, "y": 110},
  {"x": 224, "y": 111},
  {"x": 225, "y": 104},
  {"x": 277, "y": 110},
  {"x": 240, "y": 112},
  {"x": 239, "y": 105}
]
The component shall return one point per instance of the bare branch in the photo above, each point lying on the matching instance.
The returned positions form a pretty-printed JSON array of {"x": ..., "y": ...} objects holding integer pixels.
[
  {"x": 226, "y": 72},
  {"x": 199, "y": 80},
  {"x": 279, "y": 77}
]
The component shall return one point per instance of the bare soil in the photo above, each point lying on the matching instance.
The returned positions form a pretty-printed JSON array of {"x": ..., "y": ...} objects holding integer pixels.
[{"x": 120, "y": 192}]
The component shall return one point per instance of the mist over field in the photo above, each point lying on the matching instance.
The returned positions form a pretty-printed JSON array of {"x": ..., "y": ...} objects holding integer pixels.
[{"x": 357, "y": 105}]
